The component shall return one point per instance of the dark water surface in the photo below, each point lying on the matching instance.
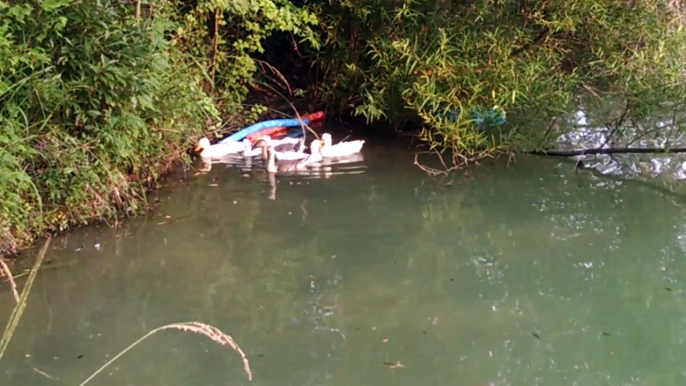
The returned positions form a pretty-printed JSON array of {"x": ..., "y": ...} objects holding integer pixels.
[{"x": 526, "y": 274}]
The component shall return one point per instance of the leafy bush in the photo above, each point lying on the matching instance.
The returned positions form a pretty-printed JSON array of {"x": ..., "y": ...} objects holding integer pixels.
[
  {"x": 225, "y": 35},
  {"x": 93, "y": 107},
  {"x": 98, "y": 99},
  {"x": 433, "y": 61}
]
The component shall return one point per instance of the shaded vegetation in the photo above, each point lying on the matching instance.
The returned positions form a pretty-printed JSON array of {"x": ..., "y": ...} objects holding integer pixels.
[
  {"x": 426, "y": 61},
  {"x": 98, "y": 99}
]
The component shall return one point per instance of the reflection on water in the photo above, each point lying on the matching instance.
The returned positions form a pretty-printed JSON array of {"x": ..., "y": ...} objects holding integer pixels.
[
  {"x": 594, "y": 132},
  {"x": 527, "y": 274}
]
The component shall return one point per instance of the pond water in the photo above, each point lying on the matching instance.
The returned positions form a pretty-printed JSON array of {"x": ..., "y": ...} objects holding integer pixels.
[{"x": 520, "y": 274}]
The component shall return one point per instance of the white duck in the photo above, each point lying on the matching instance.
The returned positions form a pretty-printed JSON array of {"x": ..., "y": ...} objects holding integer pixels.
[
  {"x": 217, "y": 150},
  {"x": 280, "y": 145},
  {"x": 283, "y": 144},
  {"x": 286, "y": 143},
  {"x": 288, "y": 151},
  {"x": 293, "y": 165},
  {"x": 341, "y": 149},
  {"x": 249, "y": 150}
]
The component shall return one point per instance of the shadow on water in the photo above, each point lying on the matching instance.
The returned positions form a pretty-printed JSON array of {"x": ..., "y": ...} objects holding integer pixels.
[{"x": 527, "y": 274}]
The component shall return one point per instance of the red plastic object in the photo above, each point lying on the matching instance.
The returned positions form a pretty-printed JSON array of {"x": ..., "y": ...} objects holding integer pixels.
[
  {"x": 316, "y": 116},
  {"x": 259, "y": 134},
  {"x": 319, "y": 115}
]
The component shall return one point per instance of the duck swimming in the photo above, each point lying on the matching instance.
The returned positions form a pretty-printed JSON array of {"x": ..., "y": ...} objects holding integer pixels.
[
  {"x": 341, "y": 149},
  {"x": 251, "y": 151},
  {"x": 288, "y": 151},
  {"x": 281, "y": 146},
  {"x": 288, "y": 144},
  {"x": 217, "y": 150},
  {"x": 293, "y": 165}
]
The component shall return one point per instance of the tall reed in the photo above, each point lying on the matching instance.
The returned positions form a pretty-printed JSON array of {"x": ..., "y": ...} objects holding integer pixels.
[{"x": 18, "y": 310}]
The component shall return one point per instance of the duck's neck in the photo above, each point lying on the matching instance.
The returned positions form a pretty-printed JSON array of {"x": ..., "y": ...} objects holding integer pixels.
[
  {"x": 315, "y": 156},
  {"x": 301, "y": 145},
  {"x": 271, "y": 163}
]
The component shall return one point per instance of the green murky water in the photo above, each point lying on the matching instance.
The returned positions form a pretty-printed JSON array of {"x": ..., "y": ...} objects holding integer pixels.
[{"x": 524, "y": 274}]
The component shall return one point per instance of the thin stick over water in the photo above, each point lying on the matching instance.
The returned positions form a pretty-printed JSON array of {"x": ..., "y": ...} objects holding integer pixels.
[
  {"x": 211, "y": 332},
  {"x": 19, "y": 308},
  {"x": 4, "y": 268}
]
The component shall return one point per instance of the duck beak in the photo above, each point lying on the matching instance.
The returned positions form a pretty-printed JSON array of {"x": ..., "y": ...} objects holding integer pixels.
[{"x": 197, "y": 148}]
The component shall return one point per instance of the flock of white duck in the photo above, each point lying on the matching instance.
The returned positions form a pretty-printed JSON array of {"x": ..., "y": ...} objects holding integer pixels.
[{"x": 282, "y": 155}]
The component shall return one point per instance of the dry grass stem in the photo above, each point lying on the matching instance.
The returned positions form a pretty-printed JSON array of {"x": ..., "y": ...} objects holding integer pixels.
[
  {"x": 276, "y": 72},
  {"x": 18, "y": 310},
  {"x": 5, "y": 270},
  {"x": 211, "y": 332},
  {"x": 43, "y": 373}
]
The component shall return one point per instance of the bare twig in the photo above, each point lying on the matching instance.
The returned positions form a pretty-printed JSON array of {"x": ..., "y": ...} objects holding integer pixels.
[
  {"x": 138, "y": 10},
  {"x": 43, "y": 373},
  {"x": 643, "y": 150},
  {"x": 5, "y": 270},
  {"x": 458, "y": 161},
  {"x": 295, "y": 45},
  {"x": 303, "y": 126},
  {"x": 435, "y": 172},
  {"x": 617, "y": 125},
  {"x": 541, "y": 35},
  {"x": 276, "y": 72},
  {"x": 18, "y": 310},
  {"x": 215, "y": 47}
]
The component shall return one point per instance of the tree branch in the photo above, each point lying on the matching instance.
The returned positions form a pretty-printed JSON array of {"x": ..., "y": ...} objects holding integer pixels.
[
  {"x": 573, "y": 153},
  {"x": 541, "y": 35}
]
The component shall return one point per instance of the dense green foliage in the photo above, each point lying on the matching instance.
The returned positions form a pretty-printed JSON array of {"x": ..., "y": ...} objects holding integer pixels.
[
  {"x": 421, "y": 60},
  {"x": 97, "y": 99}
]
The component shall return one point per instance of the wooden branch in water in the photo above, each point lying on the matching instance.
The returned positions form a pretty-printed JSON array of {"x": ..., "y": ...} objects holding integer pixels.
[
  {"x": 5, "y": 270},
  {"x": 632, "y": 150},
  {"x": 18, "y": 310}
]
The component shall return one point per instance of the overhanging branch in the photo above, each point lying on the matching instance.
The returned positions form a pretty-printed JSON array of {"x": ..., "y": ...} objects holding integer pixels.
[
  {"x": 574, "y": 153},
  {"x": 541, "y": 35}
]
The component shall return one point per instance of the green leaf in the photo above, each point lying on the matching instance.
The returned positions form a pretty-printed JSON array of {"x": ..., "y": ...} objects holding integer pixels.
[{"x": 49, "y": 5}]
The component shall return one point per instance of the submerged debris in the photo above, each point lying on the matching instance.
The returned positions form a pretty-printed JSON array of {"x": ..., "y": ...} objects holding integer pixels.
[{"x": 394, "y": 365}]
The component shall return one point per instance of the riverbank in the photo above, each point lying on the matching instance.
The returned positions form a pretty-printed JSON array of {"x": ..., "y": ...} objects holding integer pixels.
[
  {"x": 121, "y": 195},
  {"x": 98, "y": 102},
  {"x": 310, "y": 271}
]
